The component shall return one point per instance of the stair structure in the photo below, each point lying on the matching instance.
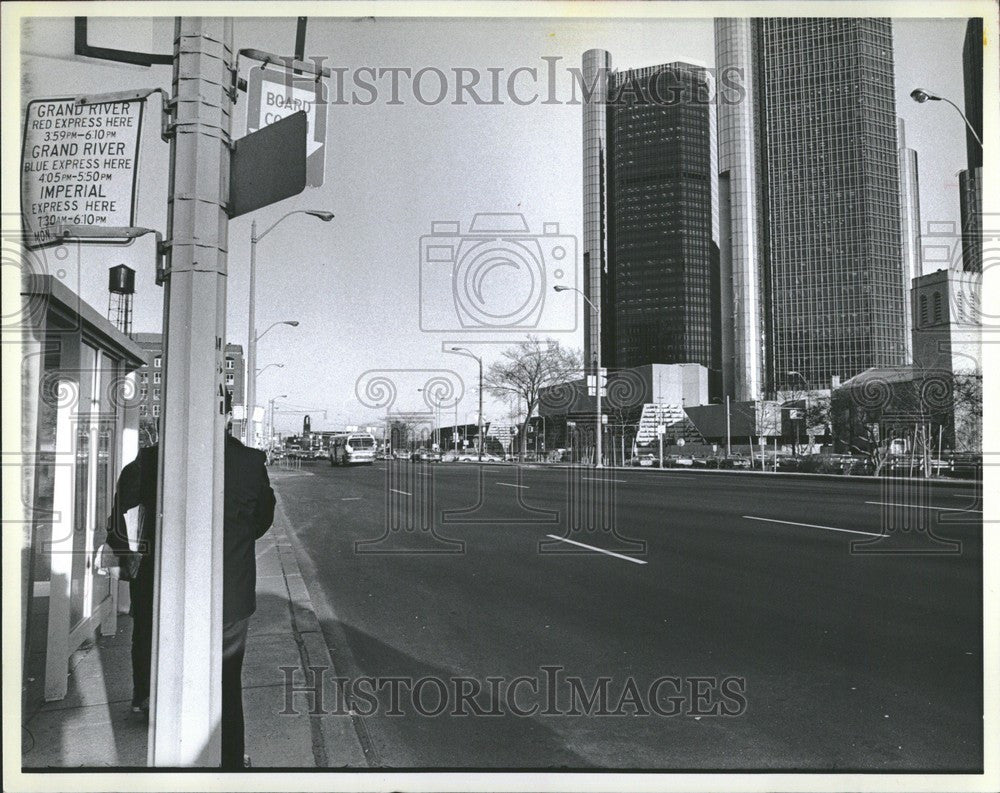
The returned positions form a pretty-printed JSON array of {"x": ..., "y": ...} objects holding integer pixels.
[{"x": 677, "y": 424}]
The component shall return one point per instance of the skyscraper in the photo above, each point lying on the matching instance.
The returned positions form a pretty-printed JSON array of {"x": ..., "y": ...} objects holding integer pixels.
[
  {"x": 970, "y": 181},
  {"x": 909, "y": 210},
  {"x": 656, "y": 194},
  {"x": 808, "y": 156},
  {"x": 596, "y": 71}
]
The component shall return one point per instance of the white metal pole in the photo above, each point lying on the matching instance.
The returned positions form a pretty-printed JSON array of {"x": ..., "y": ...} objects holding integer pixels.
[
  {"x": 598, "y": 462},
  {"x": 186, "y": 681},
  {"x": 250, "y": 438}
]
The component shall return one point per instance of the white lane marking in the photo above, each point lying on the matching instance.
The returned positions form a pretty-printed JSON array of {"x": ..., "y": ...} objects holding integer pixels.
[
  {"x": 401, "y": 492},
  {"x": 599, "y": 550},
  {"x": 508, "y": 484},
  {"x": 599, "y": 479},
  {"x": 813, "y": 526},
  {"x": 353, "y": 498},
  {"x": 918, "y": 506}
]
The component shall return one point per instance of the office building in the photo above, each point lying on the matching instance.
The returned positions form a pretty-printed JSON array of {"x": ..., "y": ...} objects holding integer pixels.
[
  {"x": 970, "y": 181},
  {"x": 809, "y": 177},
  {"x": 649, "y": 211}
]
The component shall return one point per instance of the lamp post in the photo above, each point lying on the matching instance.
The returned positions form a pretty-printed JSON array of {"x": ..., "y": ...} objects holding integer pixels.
[
  {"x": 437, "y": 421},
  {"x": 252, "y": 378},
  {"x": 479, "y": 438},
  {"x": 597, "y": 380},
  {"x": 921, "y": 95},
  {"x": 252, "y": 331},
  {"x": 805, "y": 382},
  {"x": 270, "y": 420},
  {"x": 265, "y": 368}
]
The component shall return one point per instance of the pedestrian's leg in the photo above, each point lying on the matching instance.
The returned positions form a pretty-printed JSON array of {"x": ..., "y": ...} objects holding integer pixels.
[
  {"x": 142, "y": 641},
  {"x": 234, "y": 642}
]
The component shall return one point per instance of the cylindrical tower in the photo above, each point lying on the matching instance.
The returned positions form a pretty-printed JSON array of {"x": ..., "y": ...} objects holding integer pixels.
[
  {"x": 596, "y": 70},
  {"x": 740, "y": 244}
]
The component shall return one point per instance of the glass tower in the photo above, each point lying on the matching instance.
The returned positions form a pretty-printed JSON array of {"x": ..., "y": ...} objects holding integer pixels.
[
  {"x": 819, "y": 136},
  {"x": 596, "y": 71},
  {"x": 663, "y": 270}
]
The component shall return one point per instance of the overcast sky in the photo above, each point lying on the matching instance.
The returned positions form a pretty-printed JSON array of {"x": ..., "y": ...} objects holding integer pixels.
[{"x": 393, "y": 169}]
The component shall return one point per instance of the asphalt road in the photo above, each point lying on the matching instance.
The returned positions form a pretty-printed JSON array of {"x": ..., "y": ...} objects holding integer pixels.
[{"x": 801, "y": 624}]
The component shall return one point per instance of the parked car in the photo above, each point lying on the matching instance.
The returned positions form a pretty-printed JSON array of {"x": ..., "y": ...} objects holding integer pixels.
[{"x": 736, "y": 461}]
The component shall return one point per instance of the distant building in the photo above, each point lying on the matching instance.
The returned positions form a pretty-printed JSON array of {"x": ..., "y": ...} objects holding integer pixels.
[
  {"x": 970, "y": 181},
  {"x": 810, "y": 188},
  {"x": 151, "y": 377},
  {"x": 947, "y": 322},
  {"x": 972, "y": 73}
]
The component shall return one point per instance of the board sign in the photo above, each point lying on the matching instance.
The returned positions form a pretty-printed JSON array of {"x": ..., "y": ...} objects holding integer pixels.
[
  {"x": 79, "y": 165},
  {"x": 273, "y": 95}
]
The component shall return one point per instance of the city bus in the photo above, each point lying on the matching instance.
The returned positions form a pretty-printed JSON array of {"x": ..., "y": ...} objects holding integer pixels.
[{"x": 352, "y": 449}]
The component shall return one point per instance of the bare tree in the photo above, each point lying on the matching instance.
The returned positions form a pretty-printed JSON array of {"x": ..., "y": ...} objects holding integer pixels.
[{"x": 524, "y": 370}]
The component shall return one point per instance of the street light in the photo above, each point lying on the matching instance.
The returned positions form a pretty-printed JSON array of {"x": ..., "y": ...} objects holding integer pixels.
[
  {"x": 805, "y": 382},
  {"x": 252, "y": 380},
  {"x": 270, "y": 421},
  {"x": 479, "y": 439},
  {"x": 252, "y": 338},
  {"x": 294, "y": 323},
  {"x": 597, "y": 380},
  {"x": 264, "y": 369},
  {"x": 921, "y": 95},
  {"x": 437, "y": 421}
]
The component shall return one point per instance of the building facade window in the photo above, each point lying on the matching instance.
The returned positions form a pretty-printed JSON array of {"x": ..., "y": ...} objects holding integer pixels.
[
  {"x": 230, "y": 363},
  {"x": 156, "y": 377},
  {"x": 156, "y": 411},
  {"x": 157, "y": 361}
]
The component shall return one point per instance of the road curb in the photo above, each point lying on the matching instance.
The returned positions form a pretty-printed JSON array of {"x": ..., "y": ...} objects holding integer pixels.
[{"x": 335, "y": 743}]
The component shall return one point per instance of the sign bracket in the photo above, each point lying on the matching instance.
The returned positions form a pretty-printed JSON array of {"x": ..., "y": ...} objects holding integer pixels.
[
  {"x": 116, "y": 235},
  {"x": 167, "y": 105}
]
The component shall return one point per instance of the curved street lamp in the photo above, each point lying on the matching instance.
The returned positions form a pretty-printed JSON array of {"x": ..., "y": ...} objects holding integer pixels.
[
  {"x": 921, "y": 95},
  {"x": 291, "y": 322}
]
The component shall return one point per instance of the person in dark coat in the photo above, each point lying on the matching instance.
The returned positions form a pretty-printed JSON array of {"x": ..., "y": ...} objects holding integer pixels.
[{"x": 248, "y": 514}]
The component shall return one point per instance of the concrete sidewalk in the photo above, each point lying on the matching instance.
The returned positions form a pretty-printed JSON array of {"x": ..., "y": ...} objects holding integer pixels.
[{"x": 94, "y": 726}]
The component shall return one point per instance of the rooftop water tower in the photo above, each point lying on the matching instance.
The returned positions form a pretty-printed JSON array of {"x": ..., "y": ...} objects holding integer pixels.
[{"x": 121, "y": 287}]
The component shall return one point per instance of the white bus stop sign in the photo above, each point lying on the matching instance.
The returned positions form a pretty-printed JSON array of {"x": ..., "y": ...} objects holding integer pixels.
[
  {"x": 272, "y": 95},
  {"x": 78, "y": 165}
]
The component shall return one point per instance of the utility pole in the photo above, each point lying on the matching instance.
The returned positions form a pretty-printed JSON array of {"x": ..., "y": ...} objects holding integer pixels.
[
  {"x": 186, "y": 699},
  {"x": 729, "y": 431}
]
